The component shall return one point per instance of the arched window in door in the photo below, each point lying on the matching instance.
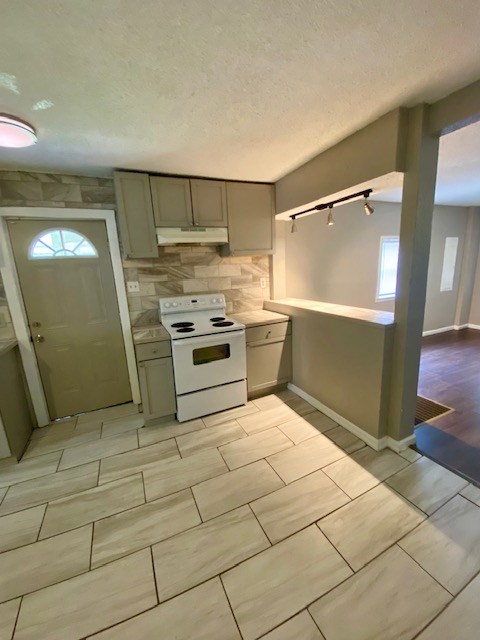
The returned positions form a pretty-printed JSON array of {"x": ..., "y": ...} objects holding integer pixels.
[{"x": 61, "y": 243}]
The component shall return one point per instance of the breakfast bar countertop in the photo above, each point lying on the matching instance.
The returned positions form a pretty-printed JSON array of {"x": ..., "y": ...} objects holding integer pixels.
[
  {"x": 372, "y": 317},
  {"x": 259, "y": 317}
]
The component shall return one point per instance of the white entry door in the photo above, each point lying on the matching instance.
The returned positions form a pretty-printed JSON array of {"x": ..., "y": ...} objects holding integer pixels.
[{"x": 67, "y": 283}]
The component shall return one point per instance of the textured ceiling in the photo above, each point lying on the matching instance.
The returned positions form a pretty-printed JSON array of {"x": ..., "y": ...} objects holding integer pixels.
[{"x": 245, "y": 90}]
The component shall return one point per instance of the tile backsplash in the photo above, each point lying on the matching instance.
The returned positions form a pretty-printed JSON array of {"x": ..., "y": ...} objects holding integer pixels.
[
  {"x": 178, "y": 270},
  {"x": 185, "y": 269},
  {"x": 26, "y": 189}
]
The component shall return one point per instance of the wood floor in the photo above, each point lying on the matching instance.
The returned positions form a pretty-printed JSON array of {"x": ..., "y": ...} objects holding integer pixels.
[{"x": 450, "y": 374}]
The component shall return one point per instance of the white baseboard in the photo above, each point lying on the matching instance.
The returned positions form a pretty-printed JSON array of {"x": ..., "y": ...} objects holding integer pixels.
[
  {"x": 400, "y": 445},
  {"x": 375, "y": 443},
  {"x": 453, "y": 327},
  {"x": 432, "y": 332}
]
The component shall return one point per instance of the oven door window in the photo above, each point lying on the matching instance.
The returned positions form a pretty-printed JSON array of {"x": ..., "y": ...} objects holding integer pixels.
[{"x": 216, "y": 352}]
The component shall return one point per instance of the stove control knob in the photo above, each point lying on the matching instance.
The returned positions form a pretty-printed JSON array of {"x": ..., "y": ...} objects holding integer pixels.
[
  {"x": 175, "y": 304},
  {"x": 167, "y": 305}
]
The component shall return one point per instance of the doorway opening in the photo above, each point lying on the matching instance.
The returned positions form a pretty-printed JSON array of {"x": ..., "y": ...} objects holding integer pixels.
[{"x": 449, "y": 370}]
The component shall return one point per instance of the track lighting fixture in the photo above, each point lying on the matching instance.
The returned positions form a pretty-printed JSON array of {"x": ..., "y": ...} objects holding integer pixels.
[
  {"x": 368, "y": 207},
  {"x": 330, "y": 220},
  {"x": 329, "y": 205}
]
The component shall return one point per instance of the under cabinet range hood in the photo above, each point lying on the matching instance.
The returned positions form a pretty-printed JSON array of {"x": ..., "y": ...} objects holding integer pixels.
[{"x": 189, "y": 235}]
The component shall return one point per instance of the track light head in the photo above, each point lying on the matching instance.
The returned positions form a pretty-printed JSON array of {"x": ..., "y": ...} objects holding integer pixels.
[
  {"x": 293, "y": 228},
  {"x": 368, "y": 208},
  {"x": 330, "y": 220}
]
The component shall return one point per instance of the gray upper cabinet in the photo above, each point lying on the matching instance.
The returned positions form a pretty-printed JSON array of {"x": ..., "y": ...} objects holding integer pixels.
[
  {"x": 172, "y": 204},
  {"x": 135, "y": 214},
  {"x": 145, "y": 202},
  {"x": 251, "y": 210},
  {"x": 209, "y": 203}
]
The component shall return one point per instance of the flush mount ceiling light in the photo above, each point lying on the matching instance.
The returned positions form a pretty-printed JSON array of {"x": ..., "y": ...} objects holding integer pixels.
[
  {"x": 329, "y": 205},
  {"x": 15, "y": 133}
]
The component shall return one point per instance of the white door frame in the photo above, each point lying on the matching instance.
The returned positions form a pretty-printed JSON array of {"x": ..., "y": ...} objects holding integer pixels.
[{"x": 17, "y": 308}]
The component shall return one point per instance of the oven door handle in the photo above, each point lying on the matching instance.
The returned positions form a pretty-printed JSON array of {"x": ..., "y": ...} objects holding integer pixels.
[{"x": 216, "y": 338}]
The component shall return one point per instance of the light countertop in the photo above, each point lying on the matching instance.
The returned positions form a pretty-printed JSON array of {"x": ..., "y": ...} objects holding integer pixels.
[
  {"x": 357, "y": 314},
  {"x": 151, "y": 333},
  {"x": 155, "y": 332},
  {"x": 258, "y": 318},
  {"x": 7, "y": 345}
]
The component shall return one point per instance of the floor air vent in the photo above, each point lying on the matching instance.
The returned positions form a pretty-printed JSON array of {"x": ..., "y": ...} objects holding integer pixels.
[{"x": 426, "y": 410}]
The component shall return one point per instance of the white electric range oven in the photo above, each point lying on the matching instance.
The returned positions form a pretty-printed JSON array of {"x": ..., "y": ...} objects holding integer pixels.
[{"x": 209, "y": 354}]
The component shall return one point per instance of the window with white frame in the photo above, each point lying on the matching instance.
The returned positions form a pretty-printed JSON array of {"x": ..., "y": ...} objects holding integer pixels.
[
  {"x": 387, "y": 267},
  {"x": 61, "y": 243}
]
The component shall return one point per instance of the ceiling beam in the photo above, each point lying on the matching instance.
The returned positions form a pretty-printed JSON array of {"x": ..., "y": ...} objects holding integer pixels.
[
  {"x": 455, "y": 111},
  {"x": 376, "y": 150}
]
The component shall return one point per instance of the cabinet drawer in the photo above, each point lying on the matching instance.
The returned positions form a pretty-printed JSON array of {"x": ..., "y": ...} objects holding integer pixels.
[
  {"x": 152, "y": 350},
  {"x": 264, "y": 332}
]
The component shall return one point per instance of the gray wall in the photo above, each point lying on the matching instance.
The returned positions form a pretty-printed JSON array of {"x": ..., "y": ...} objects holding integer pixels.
[
  {"x": 474, "y": 317},
  {"x": 340, "y": 264},
  {"x": 441, "y": 306}
]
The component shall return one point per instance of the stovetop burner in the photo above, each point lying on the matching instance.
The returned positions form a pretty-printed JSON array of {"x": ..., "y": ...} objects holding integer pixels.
[{"x": 192, "y": 317}]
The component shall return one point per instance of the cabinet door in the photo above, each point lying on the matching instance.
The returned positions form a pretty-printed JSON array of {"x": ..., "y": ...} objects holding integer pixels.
[
  {"x": 172, "y": 202},
  {"x": 251, "y": 212},
  {"x": 135, "y": 215},
  {"x": 157, "y": 388},
  {"x": 269, "y": 364},
  {"x": 209, "y": 202}
]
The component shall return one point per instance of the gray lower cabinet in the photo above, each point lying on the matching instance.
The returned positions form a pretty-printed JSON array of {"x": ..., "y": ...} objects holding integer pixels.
[
  {"x": 269, "y": 357},
  {"x": 15, "y": 405},
  {"x": 135, "y": 215},
  {"x": 157, "y": 386}
]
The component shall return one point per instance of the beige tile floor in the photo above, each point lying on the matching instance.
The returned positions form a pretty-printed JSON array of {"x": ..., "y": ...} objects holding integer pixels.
[{"x": 268, "y": 521}]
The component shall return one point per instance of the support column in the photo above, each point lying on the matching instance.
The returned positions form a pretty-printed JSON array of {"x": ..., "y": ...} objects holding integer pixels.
[{"x": 415, "y": 235}]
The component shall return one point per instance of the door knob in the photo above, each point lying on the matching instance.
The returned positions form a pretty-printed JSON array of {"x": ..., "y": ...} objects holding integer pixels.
[
  {"x": 36, "y": 324},
  {"x": 39, "y": 338}
]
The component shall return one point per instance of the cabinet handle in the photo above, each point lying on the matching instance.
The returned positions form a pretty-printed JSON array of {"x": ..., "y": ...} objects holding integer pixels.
[
  {"x": 268, "y": 333},
  {"x": 154, "y": 350}
]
